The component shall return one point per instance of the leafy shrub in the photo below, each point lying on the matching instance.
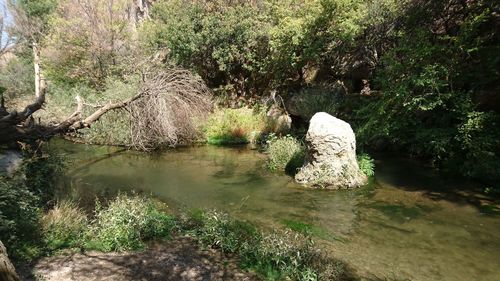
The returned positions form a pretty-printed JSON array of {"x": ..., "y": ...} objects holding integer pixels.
[
  {"x": 432, "y": 84},
  {"x": 311, "y": 100},
  {"x": 17, "y": 78},
  {"x": 64, "y": 226},
  {"x": 19, "y": 214},
  {"x": 126, "y": 223},
  {"x": 22, "y": 198},
  {"x": 285, "y": 153},
  {"x": 235, "y": 126},
  {"x": 366, "y": 164}
]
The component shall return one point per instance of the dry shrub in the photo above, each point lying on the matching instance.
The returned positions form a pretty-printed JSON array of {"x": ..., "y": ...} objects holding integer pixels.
[{"x": 171, "y": 110}]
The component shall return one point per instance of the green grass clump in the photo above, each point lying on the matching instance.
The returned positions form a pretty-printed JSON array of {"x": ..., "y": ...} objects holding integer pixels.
[
  {"x": 64, "y": 226},
  {"x": 366, "y": 164},
  {"x": 235, "y": 126},
  {"x": 127, "y": 222},
  {"x": 285, "y": 154}
]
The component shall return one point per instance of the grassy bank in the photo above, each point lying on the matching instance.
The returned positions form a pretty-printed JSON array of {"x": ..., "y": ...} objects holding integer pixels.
[{"x": 128, "y": 222}]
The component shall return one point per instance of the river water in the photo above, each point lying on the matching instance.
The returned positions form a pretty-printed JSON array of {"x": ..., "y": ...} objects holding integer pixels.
[{"x": 408, "y": 223}]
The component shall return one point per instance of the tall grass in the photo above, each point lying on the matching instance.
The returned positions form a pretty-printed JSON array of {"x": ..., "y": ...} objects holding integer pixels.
[
  {"x": 235, "y": 126},
  {"x": 126, "y": 223},
  {"x": 285, "y": 154},
  {"x": 64, "y": 226}
]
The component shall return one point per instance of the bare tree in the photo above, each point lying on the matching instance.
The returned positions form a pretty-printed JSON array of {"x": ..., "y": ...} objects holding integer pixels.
[{"x": 173, "y": 104}]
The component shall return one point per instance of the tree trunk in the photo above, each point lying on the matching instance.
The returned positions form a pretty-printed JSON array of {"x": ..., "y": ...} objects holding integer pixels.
[
  {"x": 7, "y": 270},
  {"x": 36, "y": 63}
]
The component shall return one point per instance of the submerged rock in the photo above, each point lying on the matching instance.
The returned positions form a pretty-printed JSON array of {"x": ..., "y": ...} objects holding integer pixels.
[{"x": 331, "y": 155}]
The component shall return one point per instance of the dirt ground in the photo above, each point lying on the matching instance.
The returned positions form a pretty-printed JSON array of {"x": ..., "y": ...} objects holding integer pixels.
[{"x": 178, "y": 259}]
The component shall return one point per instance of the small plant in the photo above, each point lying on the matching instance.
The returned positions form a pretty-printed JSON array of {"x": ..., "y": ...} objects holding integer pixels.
[
  {"x": 285, "y": 154},
  {"x": 64, "y": 226},
  {"x": 127, "y": 222},
  {"x": 235, "y": 126},
  {"x": 366, "y": 164}
]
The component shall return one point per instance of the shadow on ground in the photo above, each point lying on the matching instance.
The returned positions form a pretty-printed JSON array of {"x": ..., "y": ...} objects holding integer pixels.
[{"x": 179, "y": 259}]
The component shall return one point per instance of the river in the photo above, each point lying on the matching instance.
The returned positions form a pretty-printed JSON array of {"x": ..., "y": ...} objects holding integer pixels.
[{"x": 408, "y": 223}]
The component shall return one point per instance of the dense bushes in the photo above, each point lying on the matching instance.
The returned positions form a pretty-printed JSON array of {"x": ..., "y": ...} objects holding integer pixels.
[
  {"x": 235, "y": 126},
  {"x": 64, "y": 226},
  {"x": 23, "y": 196},
  {"x": 285, "y": 154},
  {"x": 249, "y": 48},
  {"x": 432, "y": 81}
]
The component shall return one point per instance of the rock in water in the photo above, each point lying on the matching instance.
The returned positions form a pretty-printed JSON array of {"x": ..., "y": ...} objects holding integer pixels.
[{"x": 331, "y": 155}]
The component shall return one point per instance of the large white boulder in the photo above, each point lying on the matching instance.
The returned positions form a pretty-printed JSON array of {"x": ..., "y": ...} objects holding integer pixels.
[{"x": 331, "y": 155}]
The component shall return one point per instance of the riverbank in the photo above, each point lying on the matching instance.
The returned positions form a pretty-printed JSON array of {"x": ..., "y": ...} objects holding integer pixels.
[
  {"x": 178, "y": 259},
  {"x": 407, "y": 211}
]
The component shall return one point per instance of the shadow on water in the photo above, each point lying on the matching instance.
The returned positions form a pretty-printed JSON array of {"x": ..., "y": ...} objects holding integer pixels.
[{"x": 411, "y": 176}]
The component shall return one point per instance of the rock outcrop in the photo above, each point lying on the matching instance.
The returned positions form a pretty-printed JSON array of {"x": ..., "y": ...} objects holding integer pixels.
[
  {"x": 279, "y": 121},
  {"x": 331, "y": 155}
]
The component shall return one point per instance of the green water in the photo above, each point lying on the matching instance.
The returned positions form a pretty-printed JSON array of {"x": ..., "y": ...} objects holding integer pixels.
[{"x": 407, "y": 224}]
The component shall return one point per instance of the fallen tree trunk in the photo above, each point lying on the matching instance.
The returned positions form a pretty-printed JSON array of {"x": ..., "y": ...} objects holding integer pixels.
[
  {"x": 163, "y": 110},
  {"x": 7, "y": 270}
]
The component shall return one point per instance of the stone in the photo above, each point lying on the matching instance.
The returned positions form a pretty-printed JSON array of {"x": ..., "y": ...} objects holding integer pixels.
[
  {"x": 331, "y": 155},
  {"x": 279, "y": 122}
]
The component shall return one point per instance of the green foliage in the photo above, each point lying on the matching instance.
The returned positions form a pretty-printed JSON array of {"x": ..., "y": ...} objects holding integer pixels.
[
  {"x": 17, "y": 77},
  {"x": 366, "y": 164},
  {"x": 19, "y": 213},
  {"x": 64, "y": 226},
  {"x": 114, "y": 128},
  {"x": 279, "y": 255},
  {"x": 235, "y": 126},
  {"x": 242, "y": 47},
  {"x": 126, "y": 223},
  {"x": 222, "y": 41},
  {"x": 310, "y": 100},
  {"x": 88, "y": 43},
  {"x": 22, "y": 199},
  {"x": 285, "y": 154},
  {"x": 430, "y": 84}
]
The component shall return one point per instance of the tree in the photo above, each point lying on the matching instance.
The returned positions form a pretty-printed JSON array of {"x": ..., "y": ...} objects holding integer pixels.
[{"x": 90, "y": 40}]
